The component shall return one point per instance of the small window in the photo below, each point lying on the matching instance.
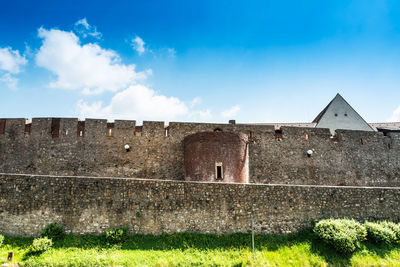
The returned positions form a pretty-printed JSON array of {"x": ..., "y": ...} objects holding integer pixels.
[
  {"x": 110, "y": 129},
  {"x": 81, "y": 128},
  {"x": 251, "y": 135},
  {"x": 335, "y": 114},
  {"x": 345, "y": 114},
  {"x": 219, "y": 172},
  {"x": 278, "y": 135},
  {"x": 138, "y": 130}
]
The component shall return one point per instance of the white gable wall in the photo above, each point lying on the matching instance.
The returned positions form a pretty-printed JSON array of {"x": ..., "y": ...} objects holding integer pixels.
[{"x": 335, "y": 117}]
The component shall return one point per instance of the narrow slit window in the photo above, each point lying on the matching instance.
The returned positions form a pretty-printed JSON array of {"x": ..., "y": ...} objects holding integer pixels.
[
  {"x": 81, "y": 128},
  {"x": 55, "y": 127},
  {"x": 278, "y": 134},
  {"x": 110, "y": 129},
  {"x": 219, "y": 172},
  {"x": 28, "y": 129},
  {"x": 138, "y": 130}
]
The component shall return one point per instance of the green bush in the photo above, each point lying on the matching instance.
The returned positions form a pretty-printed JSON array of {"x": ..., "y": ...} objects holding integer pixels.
[
  {"x": 117, "y": 235},
  {"x": 343, "y": 234},
  {"x": 394, "y": 227},
  {"x": 1, "y": 240},
  {"x": 53, "y": 231},
  {"x": 40, "y": 245},
  {"x": 380, "y": 233}
]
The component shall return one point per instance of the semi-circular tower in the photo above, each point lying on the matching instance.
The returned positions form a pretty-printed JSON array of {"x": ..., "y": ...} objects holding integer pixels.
[{"x": 216, "y": 157}]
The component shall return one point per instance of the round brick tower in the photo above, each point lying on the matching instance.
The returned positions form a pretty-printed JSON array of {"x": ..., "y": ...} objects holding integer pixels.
[{"x": 216, "y": 157}]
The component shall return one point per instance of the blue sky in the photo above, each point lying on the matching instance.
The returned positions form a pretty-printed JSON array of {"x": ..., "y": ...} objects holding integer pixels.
[{"x": 253, "y": 61}]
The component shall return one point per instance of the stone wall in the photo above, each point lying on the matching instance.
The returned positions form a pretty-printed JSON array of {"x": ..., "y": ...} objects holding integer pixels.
[
  {"x": 91, "y": 205},
  {"x": 56, "y": 147}
]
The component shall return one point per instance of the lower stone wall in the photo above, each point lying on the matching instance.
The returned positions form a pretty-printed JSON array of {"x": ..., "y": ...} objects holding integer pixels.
[{"x": 92, "y": 205}]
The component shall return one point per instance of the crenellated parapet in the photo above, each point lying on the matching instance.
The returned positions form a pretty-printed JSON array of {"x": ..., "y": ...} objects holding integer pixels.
[{"x": 97, "y": 147}]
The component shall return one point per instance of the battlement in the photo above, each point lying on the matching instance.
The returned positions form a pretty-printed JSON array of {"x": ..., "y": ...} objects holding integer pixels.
[
  {"x": 154, "y": 150},
  {"x": 69, "y": 128}
]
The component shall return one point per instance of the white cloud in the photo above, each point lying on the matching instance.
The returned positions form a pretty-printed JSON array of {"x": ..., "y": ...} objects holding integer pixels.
[
  {"x": 395, "y": 115},
  {"x": 136, "y": 102},
  {"x": 85, "y": 29},
  {"x": 93, "y": 69},
  {"x": 9, "y": 80},
  {"x": 138, "y": 45},
  {"x": 11, "y": 61},
  {"x": 200, "y": 115},
  {"x": 88, "y": 67},
  {"x": 10, "y": 64},
  {"x": 230, "y": 112},
  {"x": 197, "y": 100}
]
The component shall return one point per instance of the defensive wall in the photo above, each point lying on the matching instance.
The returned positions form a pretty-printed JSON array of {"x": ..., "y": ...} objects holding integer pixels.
[
  {"x": 66, "y": 146},
  {"x": 93, "y": 204}
]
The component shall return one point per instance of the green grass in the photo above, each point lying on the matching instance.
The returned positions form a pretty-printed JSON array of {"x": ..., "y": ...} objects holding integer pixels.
[{"x": 300, "y": 249}]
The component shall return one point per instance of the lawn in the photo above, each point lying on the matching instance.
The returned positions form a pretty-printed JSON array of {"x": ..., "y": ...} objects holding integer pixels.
[{"x": 299, "y": 249}]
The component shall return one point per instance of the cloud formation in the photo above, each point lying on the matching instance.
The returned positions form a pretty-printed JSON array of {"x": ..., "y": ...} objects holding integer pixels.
[
  {"x": 395, "y": 115},
  {"x": 88, "y": 67},
  {"x": 233, "y": 111},
  {"x": 136, "y": 102},
  {"x": 84, "y": 28},
  {"x": 10, "y": 64},
  {"x": 92, "y": 69},
  {"x": 138, "y": 45}
]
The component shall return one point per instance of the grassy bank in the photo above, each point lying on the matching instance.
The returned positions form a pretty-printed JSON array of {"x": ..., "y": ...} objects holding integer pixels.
[{"x": 300, "y": 249}]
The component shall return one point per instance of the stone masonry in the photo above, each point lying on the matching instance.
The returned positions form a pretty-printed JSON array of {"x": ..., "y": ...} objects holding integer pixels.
[
  {"x": 93, "y": 204},
  {"x": 55, "y": 147}
]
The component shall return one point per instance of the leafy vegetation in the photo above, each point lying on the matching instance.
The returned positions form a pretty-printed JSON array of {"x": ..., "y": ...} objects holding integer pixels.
[
  {"x": 304, "y": 248},
  {"x": 394, "y": 227},
  {"x": 343, "y": 234},
  {"x": 40, "y": 245},
  {"x": 1, "y": 240},
  {"x": 381, "y": 233},
  {"x": 117, "y": 235},
  {"x": 53, "y": 231}
]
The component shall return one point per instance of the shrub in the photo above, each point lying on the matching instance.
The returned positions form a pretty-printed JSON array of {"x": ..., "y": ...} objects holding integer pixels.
[
  {"x": 343, "y": 234},
  {"x": 53, "y": 231},
  {"x": 117, "y": 235},
  {"x": 40, "y": 245},
  {"x": 380, "y": 233},
  {"x": 1, "y": 240},
  {"x": 394, "y": 227}
]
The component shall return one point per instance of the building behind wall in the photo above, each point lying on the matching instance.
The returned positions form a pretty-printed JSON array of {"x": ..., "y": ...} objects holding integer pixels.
[{"x": 338, "y": 114}]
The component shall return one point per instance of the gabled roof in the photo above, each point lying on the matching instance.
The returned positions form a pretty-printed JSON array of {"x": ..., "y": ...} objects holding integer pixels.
[
  {"x": 339, "y": 101},
  {"x": 316, "y": 120}
]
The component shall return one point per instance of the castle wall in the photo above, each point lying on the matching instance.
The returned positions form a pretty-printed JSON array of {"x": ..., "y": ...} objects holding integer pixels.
[
  {"x": 92, "y": 205},
  {"x": 68, "y": 147}
]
